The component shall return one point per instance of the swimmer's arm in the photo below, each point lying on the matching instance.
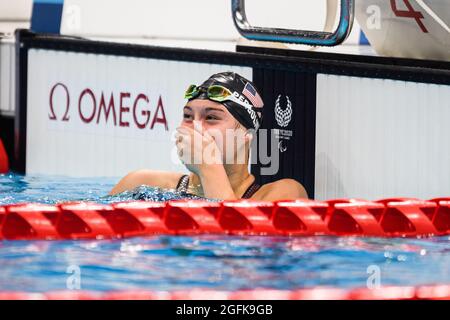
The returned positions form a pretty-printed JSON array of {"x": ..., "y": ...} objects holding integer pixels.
[
  {"x": 148, "y": 177},
  {"x": 284, "y": 189},
  {"x": 215, "y": 183}
]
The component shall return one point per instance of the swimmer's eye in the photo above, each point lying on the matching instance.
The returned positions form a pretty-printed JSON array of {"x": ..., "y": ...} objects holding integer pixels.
[{"x": 211, "y": 117}]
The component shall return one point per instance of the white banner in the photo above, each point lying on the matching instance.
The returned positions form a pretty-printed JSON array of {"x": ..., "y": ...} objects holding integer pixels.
[
  {"x": 97, "y": 115},
  {"x": 378, "y": 138}
]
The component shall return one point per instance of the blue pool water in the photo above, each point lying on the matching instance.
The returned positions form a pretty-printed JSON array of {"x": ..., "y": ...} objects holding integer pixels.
[{"x": 214, "y": 262}]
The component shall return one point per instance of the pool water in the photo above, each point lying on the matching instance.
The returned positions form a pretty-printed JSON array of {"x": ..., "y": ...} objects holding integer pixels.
[{"x": 213, "y": 262}]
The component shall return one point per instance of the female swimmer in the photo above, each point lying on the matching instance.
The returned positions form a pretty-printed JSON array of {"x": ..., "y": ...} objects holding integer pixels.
[{"x": 225, "y": 103}]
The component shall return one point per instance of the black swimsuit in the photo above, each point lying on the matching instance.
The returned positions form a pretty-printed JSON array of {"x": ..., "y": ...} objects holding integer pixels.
[{"x": 183, "y": 184}]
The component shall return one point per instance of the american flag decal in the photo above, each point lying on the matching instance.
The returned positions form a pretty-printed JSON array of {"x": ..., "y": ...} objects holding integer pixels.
[{"x": 251, "y": 94}]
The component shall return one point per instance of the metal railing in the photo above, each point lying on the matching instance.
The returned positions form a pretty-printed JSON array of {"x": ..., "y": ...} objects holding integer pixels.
[{"x": 314, "y": 38}]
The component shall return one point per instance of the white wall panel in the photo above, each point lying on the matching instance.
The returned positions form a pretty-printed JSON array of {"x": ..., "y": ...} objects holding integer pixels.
[
  {"x": 7, "y": 77},
  {"x": 381, "y": 138},
  {"x": 15, "y": 14},
  {"x": 15, "y": 10},
  {"x": 204, "y": 19},
  {"x": 75, "y": 148}
]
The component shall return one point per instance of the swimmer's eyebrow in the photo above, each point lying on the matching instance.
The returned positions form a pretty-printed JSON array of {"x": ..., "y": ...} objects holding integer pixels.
[
  {"x": 214, "y": 109},
  {"x": 206, "y": 109}
]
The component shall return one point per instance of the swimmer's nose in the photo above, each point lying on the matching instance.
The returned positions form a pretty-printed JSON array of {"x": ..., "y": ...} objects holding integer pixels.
[
  {"x": 198, "y": 124},
  {"x": 189, "y": 124},
  {"x": 195, "y": 124}
]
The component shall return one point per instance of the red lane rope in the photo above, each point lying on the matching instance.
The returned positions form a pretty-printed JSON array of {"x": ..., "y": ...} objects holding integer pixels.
[
  {"x": 4, "y": 162},
  {"x": 397, "y": 217},
  {"x": 318, "y": 293}
]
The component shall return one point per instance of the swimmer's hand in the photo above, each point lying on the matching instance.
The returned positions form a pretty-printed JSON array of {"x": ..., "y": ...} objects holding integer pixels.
[
  {"x": 200, "y": 154},
  {"x": 197, "y": 149}
]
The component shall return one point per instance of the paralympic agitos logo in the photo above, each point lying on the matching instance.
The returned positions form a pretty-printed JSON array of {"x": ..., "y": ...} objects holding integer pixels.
[{"x": 121, "y": 109}]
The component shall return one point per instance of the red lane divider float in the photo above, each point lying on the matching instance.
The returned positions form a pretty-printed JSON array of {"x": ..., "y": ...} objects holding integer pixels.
[
  {"x": 437, "y": 292},
  {"x": 398, "y": 217},
  {"x": 4, "y": 162}
]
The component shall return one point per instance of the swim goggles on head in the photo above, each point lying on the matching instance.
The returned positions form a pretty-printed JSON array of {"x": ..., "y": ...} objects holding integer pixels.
[{"x": 216, "y": 93}]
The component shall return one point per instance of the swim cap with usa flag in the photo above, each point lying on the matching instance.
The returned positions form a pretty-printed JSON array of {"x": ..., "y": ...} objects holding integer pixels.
[{"x": 248, "y": 111}]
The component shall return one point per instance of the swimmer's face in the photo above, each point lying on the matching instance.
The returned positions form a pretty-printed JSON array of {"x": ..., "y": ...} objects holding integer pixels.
[
  {"x": 217, "y": 120},
  {"x": 209, "y": 114}
]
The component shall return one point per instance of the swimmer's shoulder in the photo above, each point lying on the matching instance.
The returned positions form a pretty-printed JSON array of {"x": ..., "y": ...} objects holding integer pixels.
[
  {"x": 152, "y": 178},
  {"x": 283, "y": 189}
]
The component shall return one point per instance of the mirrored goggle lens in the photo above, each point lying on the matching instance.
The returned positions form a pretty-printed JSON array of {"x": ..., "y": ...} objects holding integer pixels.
[
  {"x": 191, "y": 92},
  {"x": 218, "y": 93}
]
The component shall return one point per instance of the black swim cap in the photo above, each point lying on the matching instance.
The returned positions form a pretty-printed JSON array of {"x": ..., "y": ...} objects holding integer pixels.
[{"x": 249, "y": 112}]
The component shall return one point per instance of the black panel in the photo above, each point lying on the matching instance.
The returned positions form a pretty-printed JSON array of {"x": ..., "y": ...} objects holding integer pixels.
[
  {"x": 297, "y": 161},
  {"x": 351, "y": 58},
  {"x": 7, "y": 135},
  {"x": 20, "y": 128}
]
